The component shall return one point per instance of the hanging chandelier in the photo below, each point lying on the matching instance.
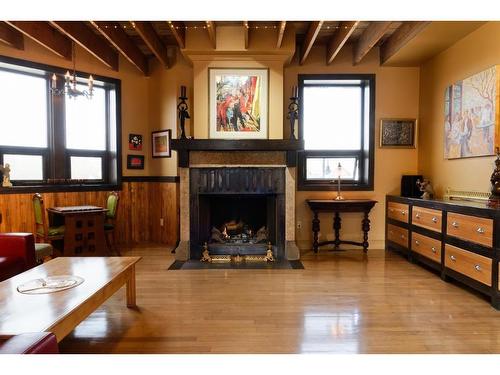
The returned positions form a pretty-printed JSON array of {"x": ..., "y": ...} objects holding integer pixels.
[{"x": 69, "y": 88}]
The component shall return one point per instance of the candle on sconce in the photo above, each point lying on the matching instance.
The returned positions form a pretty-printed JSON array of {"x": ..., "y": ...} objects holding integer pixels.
[
  {"x": 91, "y": 83},
  {"x": 295, "y": 91},
  {"x": 54, "y": 81},
  {"x": 183, "y": 91}
]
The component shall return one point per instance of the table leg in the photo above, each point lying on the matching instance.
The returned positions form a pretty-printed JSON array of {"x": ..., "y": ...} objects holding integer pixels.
[
  {"x": 315, "y": 229},
  {"x": 337, "y": 223},
  {"x": 131, "y": 288},
  {"x": 366, "y": 229}
]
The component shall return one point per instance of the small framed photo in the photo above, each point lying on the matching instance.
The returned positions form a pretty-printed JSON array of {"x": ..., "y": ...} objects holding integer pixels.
[
  {"x": 135, "y": 142},
  {"x": 398, "y": 133},
  {"x": 135, "y": 161},
  {"x": 160, "y": 141}
]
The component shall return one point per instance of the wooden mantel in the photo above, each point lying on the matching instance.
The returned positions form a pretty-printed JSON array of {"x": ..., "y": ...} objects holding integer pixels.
[{"x": 185, "y": 146}]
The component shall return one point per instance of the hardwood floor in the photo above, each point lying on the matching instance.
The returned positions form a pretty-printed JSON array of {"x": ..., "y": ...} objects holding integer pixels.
[{"x": 343, "y": 302}]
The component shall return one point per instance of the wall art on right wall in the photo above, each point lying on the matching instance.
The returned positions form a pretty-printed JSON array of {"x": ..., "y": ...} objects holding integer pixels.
[{"x": 471, "y": 116}]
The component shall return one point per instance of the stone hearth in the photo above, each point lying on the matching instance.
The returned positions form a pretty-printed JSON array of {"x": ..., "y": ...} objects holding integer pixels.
[{"x": 244, "y": 173}]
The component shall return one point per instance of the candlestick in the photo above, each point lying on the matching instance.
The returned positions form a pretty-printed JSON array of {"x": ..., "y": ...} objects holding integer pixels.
[
  {"x": 293, "y": 112},
  {"x": 182, "y": 110},
  {"x": 54, "y": 81}
]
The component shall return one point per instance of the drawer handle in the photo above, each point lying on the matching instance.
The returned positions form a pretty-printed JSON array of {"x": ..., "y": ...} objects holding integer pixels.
[
  {"x": 417, "y": 242},
  {"x": 391, "y": 209},
  {"x": 477, "y": 267},
  {"x": 480, "y": 230},
  {"x": 403, "y": 236},
  {"x": 433, "y": 249},
  {"x": 452, "y": 257},
  {"x": 454, "y": 224},
  {"x": 403, "y": 213},
  {"x": 417, "y": 216},
  {"x": 434, "y": 219}
]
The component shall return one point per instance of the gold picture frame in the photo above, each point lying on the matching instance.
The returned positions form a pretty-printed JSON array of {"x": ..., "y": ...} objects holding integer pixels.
[{"x": 398, "y": 133}]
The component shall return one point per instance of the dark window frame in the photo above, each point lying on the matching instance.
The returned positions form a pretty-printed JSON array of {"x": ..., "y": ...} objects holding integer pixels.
[
  {"x": 56, "y": 157},
  {"x": 365, "y": 156}
]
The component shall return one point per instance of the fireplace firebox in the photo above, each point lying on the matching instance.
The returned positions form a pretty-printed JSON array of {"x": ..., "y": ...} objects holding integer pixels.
[{"x": 237, "y": 211}]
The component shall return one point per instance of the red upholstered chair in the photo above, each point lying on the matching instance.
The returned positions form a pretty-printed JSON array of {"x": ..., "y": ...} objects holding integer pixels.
[
  {"x": 17, "y": 254},
  {"x": 30, "y": 343}
]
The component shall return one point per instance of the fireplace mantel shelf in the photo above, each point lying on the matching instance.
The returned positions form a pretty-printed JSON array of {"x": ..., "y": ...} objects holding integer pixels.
[{"x": 184, "y": 146}]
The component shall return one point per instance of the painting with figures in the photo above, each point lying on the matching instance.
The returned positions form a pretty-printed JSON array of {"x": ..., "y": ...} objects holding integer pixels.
[
  {"x": 471, "y": 116},
  {"x": 238, "y": 103}
]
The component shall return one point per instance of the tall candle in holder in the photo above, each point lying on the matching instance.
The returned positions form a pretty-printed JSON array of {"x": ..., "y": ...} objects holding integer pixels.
[
  {"x": 293, "y": 110},
  {"x": 182, "y": 111}
]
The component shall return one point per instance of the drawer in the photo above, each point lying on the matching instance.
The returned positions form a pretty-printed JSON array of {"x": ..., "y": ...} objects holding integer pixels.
[
  {"x": 427, "y": 218},
  {"x": 470, "y": 228},
  {"x": 470, "y": 264},
  {"x": 398, "y": 211},
  {"x": 426, "y": 246},
  {"x": 398, "y": 235}
]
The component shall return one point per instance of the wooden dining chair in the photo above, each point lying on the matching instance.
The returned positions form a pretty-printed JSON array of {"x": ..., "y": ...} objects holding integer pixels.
[
  {"x": 44, "y": 234},
  {"x": 110, "y": 221}
]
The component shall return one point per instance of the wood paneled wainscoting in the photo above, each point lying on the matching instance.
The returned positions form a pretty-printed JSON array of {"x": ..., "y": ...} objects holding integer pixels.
[{"x": 144, "y": 202}]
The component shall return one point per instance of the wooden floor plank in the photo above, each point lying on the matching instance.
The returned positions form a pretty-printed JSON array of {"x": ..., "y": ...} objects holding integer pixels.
[{"x": 344, "y": 302}]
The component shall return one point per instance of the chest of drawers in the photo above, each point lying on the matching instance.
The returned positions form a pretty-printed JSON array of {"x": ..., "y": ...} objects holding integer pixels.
[{"x": 460, "y": 240}]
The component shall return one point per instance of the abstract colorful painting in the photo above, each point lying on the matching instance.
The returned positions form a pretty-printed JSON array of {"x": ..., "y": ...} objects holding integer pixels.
[
  {"x": 471, "y": 126},
  {"x": 238, "y": 103},
  {"x": 135, "y": 142}
]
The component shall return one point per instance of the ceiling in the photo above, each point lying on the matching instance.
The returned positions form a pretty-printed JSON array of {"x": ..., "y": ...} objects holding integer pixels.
[{"x": 407, "y": 43}]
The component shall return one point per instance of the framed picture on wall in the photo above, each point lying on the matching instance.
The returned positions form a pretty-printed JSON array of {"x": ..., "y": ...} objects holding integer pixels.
[
  {"x": 471, "y": 125},
  {"x": 398, "y": 133},
  {"x": 135, "y": 161},
  {"x": 238, "y": 103},
  {"x": 160, "y": 141},
  {"x": 135, "y": 142}
]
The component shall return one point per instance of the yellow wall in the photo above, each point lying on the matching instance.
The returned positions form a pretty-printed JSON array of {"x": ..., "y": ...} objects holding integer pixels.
[
  {"x": 397, "y": 95},
  {"x": 477, "y": 51},
  {"x": 164, "y": 90}
]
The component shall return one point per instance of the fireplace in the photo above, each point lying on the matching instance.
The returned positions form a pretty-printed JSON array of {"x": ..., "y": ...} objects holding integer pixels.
[{"x": 237, "y": 210}]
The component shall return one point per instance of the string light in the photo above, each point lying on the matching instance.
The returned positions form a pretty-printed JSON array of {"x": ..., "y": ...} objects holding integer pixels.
[{"x": 207, "y": 26}]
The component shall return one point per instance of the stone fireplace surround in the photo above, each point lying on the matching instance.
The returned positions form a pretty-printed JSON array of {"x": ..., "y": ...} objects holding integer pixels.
[{"x": 263, "y": 159}]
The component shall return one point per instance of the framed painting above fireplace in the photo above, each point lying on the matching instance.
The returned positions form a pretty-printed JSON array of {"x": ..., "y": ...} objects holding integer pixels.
[{"x": 238, "y": 101}]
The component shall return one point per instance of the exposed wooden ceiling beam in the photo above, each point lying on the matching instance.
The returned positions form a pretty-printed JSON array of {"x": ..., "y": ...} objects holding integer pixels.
[
  {"x": 406, "y": 32},
  {"x": 281, "y": 32},
  {"x": 311, "y": 35},
  {"x": 339, "y": 39},
  {"x": 47, "y": 36},
  {"x": 246, "y": 32},
  {"x": 369, "y": 38},
  {"x": 119, "y": 39},
  {"x": 178, "y": 30},
  {"x": 89, "y": 41},
  {"x": 11, "y": 36},
  {"x": 152, "y": 40},
  {"x": 211, "y": 33}
]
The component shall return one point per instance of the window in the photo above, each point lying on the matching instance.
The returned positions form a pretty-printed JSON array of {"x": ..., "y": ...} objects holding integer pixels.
[
  {"x": 46, "y": 138},
  {"x": 337, "y": 125}
]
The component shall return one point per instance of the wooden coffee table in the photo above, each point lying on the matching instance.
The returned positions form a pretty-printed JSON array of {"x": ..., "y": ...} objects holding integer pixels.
[{"x": 62, "y": 311}]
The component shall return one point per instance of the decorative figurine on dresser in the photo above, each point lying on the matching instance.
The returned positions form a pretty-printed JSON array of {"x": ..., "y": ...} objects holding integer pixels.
[
  {"x": 426, "y": 189},
  {"x": 5, "y": 171},
  {"x": 494, "y": 199}
]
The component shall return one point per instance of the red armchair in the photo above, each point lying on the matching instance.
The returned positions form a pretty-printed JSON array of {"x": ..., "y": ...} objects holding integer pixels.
[
  {"x": 17, "y": 254},
  {"x": 30, "y": 343}
]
